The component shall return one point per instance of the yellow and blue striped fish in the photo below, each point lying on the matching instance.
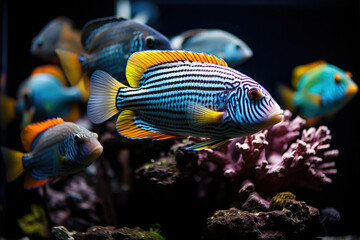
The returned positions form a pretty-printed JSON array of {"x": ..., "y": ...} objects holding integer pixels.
[{"x": 173, "y": 94}]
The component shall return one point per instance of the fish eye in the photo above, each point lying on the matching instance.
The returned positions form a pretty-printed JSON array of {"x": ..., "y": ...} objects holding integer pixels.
[
  {"x": 337, "y": 77},
  {"x": 77, "y": 139},
  {"x": 40, "y": 42},
  {"x": 237, "y": 47},
  {"x": 150, "y": 41},
  {"x": 254, "y": 94}
]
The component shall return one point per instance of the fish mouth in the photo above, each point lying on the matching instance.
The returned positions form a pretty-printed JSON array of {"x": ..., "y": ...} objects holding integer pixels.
[
  {"x": 273, "y": 118},
  {"x": 96, "y": 152},
  {"x": 351, "y": 90}
]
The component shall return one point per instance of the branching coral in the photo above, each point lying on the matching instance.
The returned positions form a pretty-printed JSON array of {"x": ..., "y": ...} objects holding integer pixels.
[{"x": 276, "y": 158}]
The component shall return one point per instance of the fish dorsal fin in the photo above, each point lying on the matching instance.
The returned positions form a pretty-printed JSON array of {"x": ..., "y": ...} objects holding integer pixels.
[
  {"x": 87, "y": 32},
  {"x": 140, "y": 61},
  {"x": 31, "y": 131},
  {"x": 53, "y": 70},
  {"x": 299, "y": 71}
]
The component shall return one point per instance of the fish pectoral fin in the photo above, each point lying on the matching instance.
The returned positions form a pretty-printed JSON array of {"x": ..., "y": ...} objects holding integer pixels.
[
  {"x": 212, "y": 143},
  {"x": 201, "y": 116},
  {"x": 31, "y": 131},
  {"x": 313, "y": 99},
  {"x": 31, "y": 182},
  {"x": 127, "y": 127}
]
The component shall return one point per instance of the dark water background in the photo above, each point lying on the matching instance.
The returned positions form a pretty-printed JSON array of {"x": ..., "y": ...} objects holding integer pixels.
[{"x": 282, "y": 35}]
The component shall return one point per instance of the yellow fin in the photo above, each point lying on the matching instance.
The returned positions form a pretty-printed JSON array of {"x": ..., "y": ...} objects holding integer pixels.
[
  {"x": 212, "y": 143},
  {"x": 287, "y": 97},
  {"x": 13, "y": 163},
  {"x": 140, "y": 61},
  {"x": 311, "y": 98},
  {"x": 71, "y": 64},
  {"x": 7, "y": 107},
  {"x": 126, "y": 127},
  {"x": 299, "y": 71},
  {"x": 200, "y": 115},
  {"x": 31, "y": 131}
]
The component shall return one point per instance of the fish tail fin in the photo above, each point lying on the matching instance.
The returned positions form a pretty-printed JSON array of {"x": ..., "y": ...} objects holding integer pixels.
[
  {"x": 71, "y": 64},
  {"x": 103, "y": 96},
  {"x": 7, "y": 106},
  {"x": 287, "y": 96},
  {"x": 13, "y": 162}
]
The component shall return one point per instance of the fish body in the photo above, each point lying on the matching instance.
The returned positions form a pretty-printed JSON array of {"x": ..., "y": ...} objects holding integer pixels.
[
  {"x": 57, "y": 34},
  {"x": 44, "y": 95},
  {"x": 215, "y": 42},
  {"x": 174, "y": 94},
  {"x": 321, "y": 89},
  {"x": 108, "y": 43},
  {"x": 54, "y": 149}
]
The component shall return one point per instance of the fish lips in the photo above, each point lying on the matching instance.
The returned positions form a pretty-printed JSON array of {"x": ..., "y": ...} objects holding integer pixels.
[
  {"x": 93, "y": 148},
  {"x": 273, "y": 118}
]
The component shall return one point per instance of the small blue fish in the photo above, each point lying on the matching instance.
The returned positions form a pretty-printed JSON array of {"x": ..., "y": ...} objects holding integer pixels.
[
  {"x": 54, "y": 149},
  {"x": 108, "y": 43},
  {"x": 216, "y": 42},
  {"x": 178, "y": 93},
  {"x": 45, "y": 96},
  {"x": 321, "y": 89}
]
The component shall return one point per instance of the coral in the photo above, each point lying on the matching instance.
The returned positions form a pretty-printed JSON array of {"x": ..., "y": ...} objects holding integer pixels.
[
  {"x": 76, "y": 206},
  {"x": 295, "y": 221},
  {"x": 276, "y": 158},
  {"x": 278, "y": 201},
  {"x": 34, "y": 223},
  {"x": 108, "y": 232}
]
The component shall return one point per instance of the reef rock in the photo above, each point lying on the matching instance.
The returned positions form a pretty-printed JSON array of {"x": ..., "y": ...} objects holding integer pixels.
[
  {"x": 108, "y": 232},
  {"x": 295, "y": 220}
]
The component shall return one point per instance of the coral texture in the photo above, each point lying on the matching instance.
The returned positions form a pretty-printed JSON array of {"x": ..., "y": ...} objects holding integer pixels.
[{"x": 275, "y": 158}]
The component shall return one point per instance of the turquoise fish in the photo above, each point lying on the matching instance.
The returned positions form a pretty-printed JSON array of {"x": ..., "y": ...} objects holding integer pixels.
[
  {"x": 45, "y": 95},
  {"x": 108, "y": 43},
  {"x": 174, "y": 94},
  {"x": 321, "y": 89},
  {"x": 54, "y": 149}
]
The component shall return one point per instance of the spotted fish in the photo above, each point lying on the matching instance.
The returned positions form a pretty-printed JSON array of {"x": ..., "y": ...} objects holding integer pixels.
[{"x": 174, "y": 94}]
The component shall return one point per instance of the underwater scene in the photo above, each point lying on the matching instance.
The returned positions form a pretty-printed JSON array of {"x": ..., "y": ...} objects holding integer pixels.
[{"x": 175, "y": 120}]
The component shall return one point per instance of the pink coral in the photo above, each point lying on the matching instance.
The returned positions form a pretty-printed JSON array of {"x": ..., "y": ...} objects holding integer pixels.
[{"x": 275, "y": 158}]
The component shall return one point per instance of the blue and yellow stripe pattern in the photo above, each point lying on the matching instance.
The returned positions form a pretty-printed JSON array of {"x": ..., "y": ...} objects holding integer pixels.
[{"x": 179, "y": 93}]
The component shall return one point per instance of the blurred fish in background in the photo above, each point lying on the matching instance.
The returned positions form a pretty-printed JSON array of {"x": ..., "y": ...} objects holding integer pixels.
[
  {"x": 45, "y": 94},
  {"x": 108, "y": 43},
  {"x": 144, "y": 12},
  {"x": 216, "y": 42},
  {"x": 54, "y": 149},
  {"x": 320, "y": 90},
  {"x": 57, "y": 34}
]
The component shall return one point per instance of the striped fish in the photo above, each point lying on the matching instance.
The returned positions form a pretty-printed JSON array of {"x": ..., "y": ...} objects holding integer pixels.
[
  {"x": 54, "y": 149},
  {"x": 178, "y": 93},
  {"x": 108, "y": 43}
]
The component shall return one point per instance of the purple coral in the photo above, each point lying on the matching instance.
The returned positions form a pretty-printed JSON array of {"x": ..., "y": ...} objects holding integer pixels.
[{"x": 270, "y": 159}]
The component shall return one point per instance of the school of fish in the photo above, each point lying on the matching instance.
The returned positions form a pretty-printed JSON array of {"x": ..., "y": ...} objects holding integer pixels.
[{"x": 160, "y": 89}]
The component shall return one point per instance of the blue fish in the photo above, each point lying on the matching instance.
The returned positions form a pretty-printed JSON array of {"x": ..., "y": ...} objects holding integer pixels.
[
  {"x": 108, "y": 43},
  {"x": 44, "y": 95},
  {"x": 54, "y": 149},
  {"x": 174, "y": 94},
  {"x": 321, "y": 89}
]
